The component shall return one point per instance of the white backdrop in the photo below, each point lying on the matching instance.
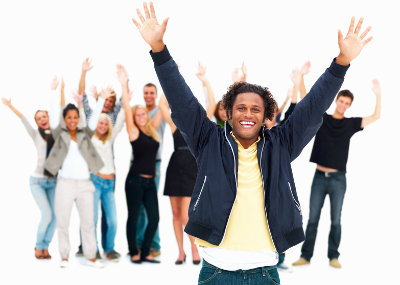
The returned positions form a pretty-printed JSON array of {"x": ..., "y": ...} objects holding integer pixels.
[{"x": 41, "y": 39}]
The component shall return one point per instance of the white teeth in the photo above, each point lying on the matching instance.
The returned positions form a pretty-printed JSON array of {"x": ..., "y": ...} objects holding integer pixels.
[{"x": 247, "y": 123}]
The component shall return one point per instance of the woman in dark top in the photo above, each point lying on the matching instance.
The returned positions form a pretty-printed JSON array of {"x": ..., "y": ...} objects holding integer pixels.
[
  {"x": 179, "y": 183},
  {"x": 140, "y": 186}
]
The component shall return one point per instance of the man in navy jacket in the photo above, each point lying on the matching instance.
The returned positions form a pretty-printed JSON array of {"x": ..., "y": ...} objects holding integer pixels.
[{"x": 216, "y": 149}]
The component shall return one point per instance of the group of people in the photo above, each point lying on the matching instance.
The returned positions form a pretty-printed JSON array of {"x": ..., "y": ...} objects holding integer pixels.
[{"x": 232, "y": 158}]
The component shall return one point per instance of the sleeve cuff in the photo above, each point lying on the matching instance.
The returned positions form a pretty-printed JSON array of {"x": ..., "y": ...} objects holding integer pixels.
[
  {"x": 338, "y": 70},
  {"x": 161, "y": 57}
]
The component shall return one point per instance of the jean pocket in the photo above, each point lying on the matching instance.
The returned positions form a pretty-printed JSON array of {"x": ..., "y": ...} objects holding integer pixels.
[
  {"x": 208, "y": 274},
  {"x": 273, "y": 276}
]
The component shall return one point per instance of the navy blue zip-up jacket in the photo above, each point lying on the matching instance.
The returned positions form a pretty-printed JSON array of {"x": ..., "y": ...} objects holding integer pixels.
[{"x": 216, "y": 153}]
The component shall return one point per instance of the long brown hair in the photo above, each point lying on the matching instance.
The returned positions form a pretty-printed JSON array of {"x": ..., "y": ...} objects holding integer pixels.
[{"x": 149, "y": 127}]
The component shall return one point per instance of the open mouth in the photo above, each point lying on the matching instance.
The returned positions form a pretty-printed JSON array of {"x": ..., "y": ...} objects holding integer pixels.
[{"x": 247, "y": 124}]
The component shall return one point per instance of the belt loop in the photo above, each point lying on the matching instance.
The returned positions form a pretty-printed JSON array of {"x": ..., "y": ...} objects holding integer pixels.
[{"x": 327, "y": 174}]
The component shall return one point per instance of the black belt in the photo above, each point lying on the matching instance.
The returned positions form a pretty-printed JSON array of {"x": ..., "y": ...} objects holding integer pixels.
[{"x": 330, "y": 174}]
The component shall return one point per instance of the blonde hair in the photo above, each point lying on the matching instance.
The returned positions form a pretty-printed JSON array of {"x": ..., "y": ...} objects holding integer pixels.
[
  {"x": 149, "y": 127},
  {"x": 107, "y": 135}
]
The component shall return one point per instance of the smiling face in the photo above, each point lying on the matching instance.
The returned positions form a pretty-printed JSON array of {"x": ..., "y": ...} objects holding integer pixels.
[
  {"x": 109, "y": 104},
  {"x": 140, "y": 117},
  {"x": 150, "y": 96},
  {"x": 102, "y": 127},
  {"x": 71, "y": 120},
  {"x": 42, "y": 120},
  {"x": 247, "y": 117},
  {"x": 342, "y": 104}
]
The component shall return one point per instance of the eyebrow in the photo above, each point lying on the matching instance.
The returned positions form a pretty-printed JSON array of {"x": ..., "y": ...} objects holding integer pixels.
[{"x": 258, "y": 106}]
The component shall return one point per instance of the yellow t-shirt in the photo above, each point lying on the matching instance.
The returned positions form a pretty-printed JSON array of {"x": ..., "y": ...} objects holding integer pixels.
[{"x": 247, "y": 227}]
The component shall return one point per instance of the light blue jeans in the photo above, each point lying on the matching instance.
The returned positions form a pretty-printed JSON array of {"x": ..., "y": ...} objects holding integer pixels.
[
  {"x": 142, "y": 221},
  {"x": 105, "y": 193},
  {"x": 43, "y": 190}
]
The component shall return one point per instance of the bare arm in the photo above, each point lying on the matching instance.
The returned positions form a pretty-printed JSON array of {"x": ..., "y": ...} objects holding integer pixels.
[
  {"x": 55, "y": 109},
  {"x": 164, "y": 108},
  {"x": 7, "y": 102},
  {"x": 62, "y": 103},
  {"x": 304, "y": 70},
  {"x": 133, "y": 131},
  {"x": 376, "y": 88},
  {"x": 86, "y": 66},
  {"x": 211, "y": 104}
]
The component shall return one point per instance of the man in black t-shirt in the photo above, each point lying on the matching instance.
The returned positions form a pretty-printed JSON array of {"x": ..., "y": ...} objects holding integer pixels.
[{"x": 330, "y": 153}]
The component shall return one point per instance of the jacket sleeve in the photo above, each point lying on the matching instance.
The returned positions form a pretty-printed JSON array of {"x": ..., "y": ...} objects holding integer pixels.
[
  {"x": 302, "y": 125},
  {"x": 186, "y": 112}
]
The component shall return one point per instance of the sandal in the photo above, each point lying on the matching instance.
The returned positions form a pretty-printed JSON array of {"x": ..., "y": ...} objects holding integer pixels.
[
  {"x": 46, "y": 254},
  {"x": 39, "y": 253}
]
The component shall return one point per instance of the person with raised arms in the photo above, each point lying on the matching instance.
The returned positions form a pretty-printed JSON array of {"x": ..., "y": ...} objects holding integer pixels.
[{"x": 244, "y": 208}]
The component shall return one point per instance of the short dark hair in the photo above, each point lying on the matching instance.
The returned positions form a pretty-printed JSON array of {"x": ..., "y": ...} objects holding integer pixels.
[
  {"x": 70, "y": 107},
  {"x": 150, "y": 85},
  {"x": 244, "y": 87},
  {"x": 345, "y": 93}
]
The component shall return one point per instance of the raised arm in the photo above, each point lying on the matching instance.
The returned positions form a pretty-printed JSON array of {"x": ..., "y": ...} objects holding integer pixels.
[
  {"x": 211, "y": 104},
  {"x": 376, "y": 88},
  {"x": 164, "y": 108},
  {"x": 86, "y": 66},
  {"x": 55, "y": 109},
  {"x": 133, "y": 131},
  {"x": 187, "y": 113},
  {"x": 304, "y": 70},
  {"x": 104, "y": 94},
  {"x": 288, "y": 97},
  {"x": 7, "y": 102},
  {"x": 306, "y": 119}
]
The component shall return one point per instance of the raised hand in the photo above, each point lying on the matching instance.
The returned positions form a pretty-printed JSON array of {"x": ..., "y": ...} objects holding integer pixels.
[
  {"x": 305, "y": 68},
  {"x": 95, "y": 94},
  {"x": 235, "y": 75},
  {"x": 105, "y": 93},
  {"x": 351, "y": 46},
  {"x": 201, "y": 73},
  {"x": 289, "y": 94},
  {"x": 295, "y": 76},
  {"x": 77, "y": 97},
  {"x": 150, "y": 30},
  {"x": 86, "y": 65},
  {"x": 54, "y": 83},
  {"x": 6, "y": 102},
  {"x": 244, "y": 73},
  {"x": 122, "y": 74},
  {"x": 376, "y": 87}
]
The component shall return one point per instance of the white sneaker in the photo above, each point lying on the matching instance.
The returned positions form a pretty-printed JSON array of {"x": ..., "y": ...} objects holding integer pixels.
[
  {"x": 95, "y": 264},
  {"x": 64, "y": 263}
]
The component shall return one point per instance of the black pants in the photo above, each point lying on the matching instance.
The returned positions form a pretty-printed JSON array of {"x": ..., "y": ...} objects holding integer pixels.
[{"x": 141, "y": 190}]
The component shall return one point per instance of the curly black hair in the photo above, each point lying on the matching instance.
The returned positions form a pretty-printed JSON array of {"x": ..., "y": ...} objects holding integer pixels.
[{"x": 229, "y": 98}]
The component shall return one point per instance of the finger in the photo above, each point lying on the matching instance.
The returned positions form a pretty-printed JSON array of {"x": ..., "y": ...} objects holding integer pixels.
[
  {"x": 351, "y": 27},
  {"x": 340, "y": 38},
  {"x": 146, "y": 10},
  {"x": 152, "y": 11},
  {"x": 365, "y": 32},
  {"x": 140, "y": 16},
  {"x": 136, "y": 24},
  {"x": 164, "y": 24},
  {"x": 367, "y": 41},
  {"x": 359, "y": 24}
]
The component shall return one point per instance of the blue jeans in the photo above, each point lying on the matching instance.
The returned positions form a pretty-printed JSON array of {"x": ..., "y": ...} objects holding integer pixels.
[
  {"x": 334, "y": 185},
  {"x": 105, "y": 193},
  {"x": 43, "y": 191},
  {"x": 142, "y": 221},
  {"x": 210, "y": 274}
]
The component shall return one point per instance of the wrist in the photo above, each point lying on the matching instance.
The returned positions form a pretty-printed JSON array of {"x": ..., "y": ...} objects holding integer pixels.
[
  {"x": 342, "y": 60},
  {"x": 158, "y": 46}
]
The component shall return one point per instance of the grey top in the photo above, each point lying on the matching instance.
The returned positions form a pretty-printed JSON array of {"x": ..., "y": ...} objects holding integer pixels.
[{"x": 41, "y": 146}]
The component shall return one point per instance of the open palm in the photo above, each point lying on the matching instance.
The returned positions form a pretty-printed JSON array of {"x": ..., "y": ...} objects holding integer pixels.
[{"x": 151, "y": 31}]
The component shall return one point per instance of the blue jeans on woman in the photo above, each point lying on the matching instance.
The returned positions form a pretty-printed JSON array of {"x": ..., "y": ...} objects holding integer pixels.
[
  {"x": 105, "y": 193},
  {"x": 43, "y": 190},
  {"x": 210, "y": 274},
  {"x": 334, "y": 185}
]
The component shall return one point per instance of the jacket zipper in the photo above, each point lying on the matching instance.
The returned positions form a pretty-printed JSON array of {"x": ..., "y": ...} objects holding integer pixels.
[
  {"x": 295, "y": 202},
  {"x": 265, "y": 208},
  {"x": 201, "y": 191},
  {"x": 234, "y": 172}
]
